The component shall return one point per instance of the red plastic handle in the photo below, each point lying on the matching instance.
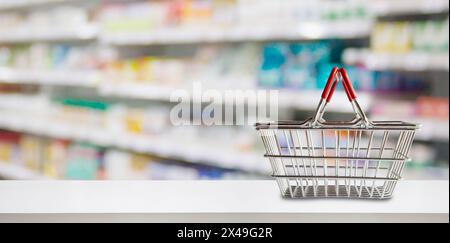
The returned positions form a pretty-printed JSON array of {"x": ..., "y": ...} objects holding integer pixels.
[
  {"x": 347, "y": 85},
  {"x": 331, "y": 84},
  {"x": 333, "y": 88},
  {"x": 332, "y": 81}
]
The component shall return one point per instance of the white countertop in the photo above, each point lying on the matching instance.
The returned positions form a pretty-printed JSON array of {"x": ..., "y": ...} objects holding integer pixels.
[{"x": 209, "y": 201}]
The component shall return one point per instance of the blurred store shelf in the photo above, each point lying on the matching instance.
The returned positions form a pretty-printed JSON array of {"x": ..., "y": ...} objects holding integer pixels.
[
  {"x": 191, "y": 152},
  {"x": 401, "y": 7},
  {"x": 30, "y": 34},
  {"x": 303, "y": 100},
  {"x": 15, "y": 4},
  {"x": 377, "y": 7},
  {"x": 137, "y": 91},
  {"x": 11, "y": 4},
  {"x": 426, "y": 173},
  {"x": 431, "y": 129},
  {"x": 413, "y": 61},
  {"x": 50, "y": 77},
  {"x": 18, "y": 172},
  {"x": 302, "y": 31},
  {"x": 295, "y": 99}
]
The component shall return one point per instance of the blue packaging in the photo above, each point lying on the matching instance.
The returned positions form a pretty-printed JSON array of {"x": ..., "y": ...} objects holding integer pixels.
[
  {"x": 59, "y": 55},
  {"x": 270, "y": 73}
]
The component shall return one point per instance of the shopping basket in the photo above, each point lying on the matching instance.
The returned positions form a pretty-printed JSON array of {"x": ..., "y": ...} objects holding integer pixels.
[{"x": 352, "y": 159}]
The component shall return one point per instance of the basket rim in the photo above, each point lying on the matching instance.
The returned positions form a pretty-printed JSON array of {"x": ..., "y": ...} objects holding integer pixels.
[
  {"x": 336, "y": 177},
  {"x": 375, "y": 125},
  {"x": 402, "y": 159}
]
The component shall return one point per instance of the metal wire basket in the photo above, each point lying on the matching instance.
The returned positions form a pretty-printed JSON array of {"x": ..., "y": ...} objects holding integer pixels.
[{"x": 352, "y": 159}]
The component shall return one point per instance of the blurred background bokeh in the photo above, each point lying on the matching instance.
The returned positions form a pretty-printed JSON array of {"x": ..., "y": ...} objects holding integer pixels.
[{"x": 85, "y": 85}]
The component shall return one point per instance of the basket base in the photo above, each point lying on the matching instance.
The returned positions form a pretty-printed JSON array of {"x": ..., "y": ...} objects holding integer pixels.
[{"x": 364, "y": 192}]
